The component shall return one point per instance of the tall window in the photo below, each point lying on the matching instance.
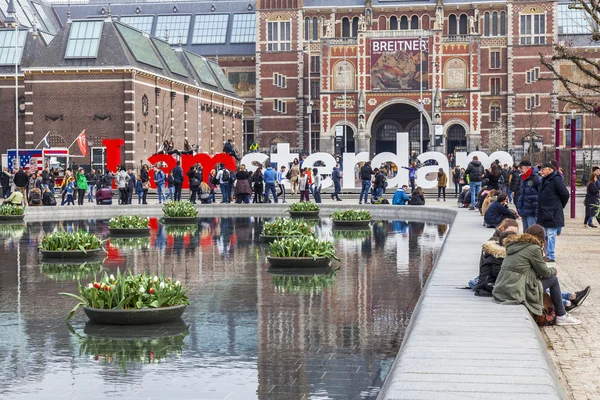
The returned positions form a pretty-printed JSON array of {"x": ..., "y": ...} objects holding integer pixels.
[
  {"x": 495, "y": 86},
  {"x": 463, "y": 24},
  {"x": 414, "y": 22},
  {"x": 502, "y": 23},
  {"x": 452, "y": 25},
  {"x": 495, "y": 112},
  {"x": 315, "y": 117},
  {"x": 315, "y": 64},
  {"x": 174, "y": 27},
  {"x": 578, "y": 132},
  {"x": 404, "y": 23},
  {"x": 494, "y": 24},
  {"x": 315, "y": 28},
  {"x": 533, "y": 29},
  {"x": 315, "y": 89},
  {"x": 393, "y": 23},
  {"x": 306, "y": 28},
  {"x": 486, "y": 24},
  {"x": 211, "y": 28},
  {"x": 278, "y": 36},
  {"x": 345, "y": 27},
  {"x": 355, "y": 27},
  {"x": 494, "y": 59}
]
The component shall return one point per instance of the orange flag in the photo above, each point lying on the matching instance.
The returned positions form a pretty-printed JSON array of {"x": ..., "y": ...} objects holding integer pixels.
[{"x": 82, "y": 143}]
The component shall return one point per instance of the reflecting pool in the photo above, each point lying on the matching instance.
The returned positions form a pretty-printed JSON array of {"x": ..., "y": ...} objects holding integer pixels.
[{"x": 251, "y": 332}]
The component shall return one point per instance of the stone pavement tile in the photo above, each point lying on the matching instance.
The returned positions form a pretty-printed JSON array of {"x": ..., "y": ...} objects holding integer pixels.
[{"x": 467, "y": 395}]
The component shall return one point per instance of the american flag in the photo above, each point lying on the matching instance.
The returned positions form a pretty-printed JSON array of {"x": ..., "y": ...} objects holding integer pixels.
[{"x": 26, "y": 159}]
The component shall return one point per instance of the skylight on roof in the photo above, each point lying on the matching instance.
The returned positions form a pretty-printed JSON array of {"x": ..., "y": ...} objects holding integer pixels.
[
  {"x": 243, "y": 29},
  {"x": 210, "y": 28},
  {"x": 202, "y": 69},
  {"x": 84, "y": 39},
  {"x": 173, "y": 28},
  {"x": 139, "y": 45},
  {"x": 221, "y": 76},
  {"x": 7, "y": 46},
  {"x": 167, "y": 53},
  {"x": 141, "y": 23},
  {"x": 46, "y": 23}
]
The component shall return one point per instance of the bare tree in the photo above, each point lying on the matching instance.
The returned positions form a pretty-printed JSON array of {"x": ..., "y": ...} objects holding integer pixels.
[
  {"x": 531, "y": 121},
  {"x": 498, "y": 137},
  {"x": 163, "y": 128},
  {"x": 581, "y": 80}
]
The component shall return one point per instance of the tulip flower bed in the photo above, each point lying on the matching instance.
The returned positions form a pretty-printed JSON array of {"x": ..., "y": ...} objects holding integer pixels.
[
  {"x": 286, "y": 227},
  {"x": 351, "y": 215},
  {"x": 128, "y": 222},
  {"x": 10, "y": 209},
  {"x": 64, "y": 241},
  {"x": 179, "y": 209},
  {"x": 305, "y": 246},
  {"x": 304, "y": 206},
  {"x": 129, "y": 292}
]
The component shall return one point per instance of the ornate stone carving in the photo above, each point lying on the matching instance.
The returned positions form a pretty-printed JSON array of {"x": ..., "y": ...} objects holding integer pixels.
[
  {"x": 342, "y": 102},
  {"x": 456, "y": 74},
  {"x": 437, "y": 108},
  {"x": 456, "y": 100}
]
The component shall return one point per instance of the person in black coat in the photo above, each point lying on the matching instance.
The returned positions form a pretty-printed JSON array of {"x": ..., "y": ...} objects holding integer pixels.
[
  {"x": 195, "y": 181},
  {"x": 417, "y": 198},
  {"x": 552, "y": 198},
  {"x": 497, "y": 211},
  {"x": 366, "y": 173},
  {"x": 591, "y": 199},
  {"x": 493, "y": 253},
  {"x": 145, "y": 178}
]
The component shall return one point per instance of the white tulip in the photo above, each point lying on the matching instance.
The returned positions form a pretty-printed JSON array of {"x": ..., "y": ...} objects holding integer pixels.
[
  {"x": 162, "y": 285},
  {"x": 90, "y": 286},
  {"x": 155, "y": 278},
  {"x": 112, "y": 277},
  {"x": 142, "y": 290},
  {"x": 177, "y": 283}
]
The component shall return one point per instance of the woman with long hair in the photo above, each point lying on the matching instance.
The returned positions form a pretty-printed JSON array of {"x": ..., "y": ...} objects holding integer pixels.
[
  {"x": 591, "y": 200},
  {"x": 242, "y": 186},
  {"x": 417, "y": 198},
  {"x": 195, "y": 181},
  {"x": 493, "y": 176},
  {"x": 145, "y": 178}
]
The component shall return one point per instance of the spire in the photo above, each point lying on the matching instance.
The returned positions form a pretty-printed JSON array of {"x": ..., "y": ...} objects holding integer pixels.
[
  {"x": 10, "y": 14},
  {"x": 109, "y": 13},
  {"x": 69, "y": 12}
]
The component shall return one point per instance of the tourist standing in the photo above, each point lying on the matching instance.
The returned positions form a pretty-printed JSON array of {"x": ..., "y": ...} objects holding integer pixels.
[
  {"x": 412, "y": 174},
  {"x": 91, "y": 181},
  {"x": 5, "y": 182},
  {"x": 130, "y": 185},
  {"x": 442, "y": 180},
  {"x": 212, "y": 184},
  {"x": 303, "y": 185},
  {"x": 69, "y": 190},
  {"x": 527, "y": 200},
  {"x": 145, "y": 178},
  {"x": 281, "y": 177},
  {"x": 243, "y": 191},
  {"x": 366, "y": 173},
  {"x": 295, "y": 176},
  {"x": 177, "y": 180},
  {"x": 378, "y": 185},
  {"x": 514, "y": 182},
  {"x": 591, "y": 199},
  {"x": 159, "y": 179},
  {"x": 82, "y": 186},
  {"x": 552, "y": 199},
  {"x": 195, "y": 180},
  {"x": 170, "y": 186},
  {"x": 223, "y": 178},
  {"x": 122, "y": 184},
  {"x": 316, "y": 186},
  {"x": 456, "y": 180},
  {"x": 21, "y": 182},
  {"x": 475, "y": 173},
  {"x": 270, "y": 177},
  {"x": 336, "y": 176},
  {"x": 258, "y": 185}
]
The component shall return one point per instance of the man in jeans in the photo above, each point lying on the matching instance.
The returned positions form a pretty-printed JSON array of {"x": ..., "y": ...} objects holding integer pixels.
[
  {"x": 177, "y": 181},
  {"x": 270, "y": 176},
  {"x": 552, "y": 198},
  {"x": 366, "y": 172},
  {"x": 475, "y": 173},
  {"x": 159, "y": 179},
  {"x": 527, "y": 200},
  {"x": 223, "y": 177},
  {"x": 91, "y": 181}
]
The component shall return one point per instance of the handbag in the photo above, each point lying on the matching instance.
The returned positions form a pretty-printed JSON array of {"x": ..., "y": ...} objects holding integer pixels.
[
  {"x": 194, "y": 181},
  {"x": 145, "y": 185},
  {"x": 548, "y": 316}
]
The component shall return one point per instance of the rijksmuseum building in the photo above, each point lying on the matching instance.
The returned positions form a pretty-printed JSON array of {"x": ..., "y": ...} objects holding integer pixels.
[{"x": 334, "y": 76}]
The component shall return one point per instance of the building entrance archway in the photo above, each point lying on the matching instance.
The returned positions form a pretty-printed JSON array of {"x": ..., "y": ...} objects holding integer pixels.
[{"x": 456, "y": 138}]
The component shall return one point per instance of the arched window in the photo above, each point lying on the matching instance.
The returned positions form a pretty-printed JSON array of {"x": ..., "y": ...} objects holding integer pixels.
[
  {"x": 355, "y": 27},
  {"x": 403, "y": 23},
  {"x": 414, "y": 22},
  {"x": 345, "y": 27},
  {"x": 486, "y": 24},
  {"x": 463, "y": 24},
  {"x": 306, "y": 28},
  {"x": 503, "y": 23},
  {"x": 414, "y": 134},
  {"x": 315, "y": 28},
  {"x": 387, "y": 132},
  {"x": 452, "y": 28},
  {"x": 393, "y": 23},
  {"x": 495, "y": 111},
  {"x": 495, "y": 24},
  {"x": 382, "y": 23}
]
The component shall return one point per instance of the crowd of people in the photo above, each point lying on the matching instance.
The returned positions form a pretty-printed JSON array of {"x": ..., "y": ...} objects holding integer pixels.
[{"x": 519, "y": 268}]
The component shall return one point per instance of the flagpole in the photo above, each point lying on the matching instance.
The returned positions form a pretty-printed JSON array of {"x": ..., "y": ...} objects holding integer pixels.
[
  {"x": 77, "y": 138},
  {"x": 44, "y": 138}
]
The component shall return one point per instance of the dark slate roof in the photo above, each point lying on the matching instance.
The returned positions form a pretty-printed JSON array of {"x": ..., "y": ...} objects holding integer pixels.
[
  {"x": 578, "y": 40},
  {"x": 116, "y": 50},
  {"x": 125, "y": 8},
  {"x": 34, "y": 45},
  {"x": 46, "y": 19}
]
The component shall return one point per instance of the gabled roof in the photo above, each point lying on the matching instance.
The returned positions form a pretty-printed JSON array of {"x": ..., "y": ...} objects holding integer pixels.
[
  {"x": 121, "y": 46},
  {"x": 32, "y": 47}
]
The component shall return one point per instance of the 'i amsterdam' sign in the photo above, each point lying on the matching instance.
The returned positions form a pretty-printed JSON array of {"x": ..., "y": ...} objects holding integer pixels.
[{"x": 350, "y": 161}]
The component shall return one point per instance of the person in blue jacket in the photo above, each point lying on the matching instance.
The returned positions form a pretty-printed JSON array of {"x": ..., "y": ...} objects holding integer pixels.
[
  {"x": 336, "y": 177},
  {"x": 400, "y": 197},
  {"x": 498, "y": 211},
  {"x": 270, "y": 177},
  {"x": 527, "y": 202},
  {"x": 412, "y": 174}
]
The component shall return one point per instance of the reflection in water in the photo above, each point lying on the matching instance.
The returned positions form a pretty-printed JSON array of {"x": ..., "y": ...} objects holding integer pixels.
[
  {"x": 71, "y": 272},
  {"x": 253, "y": 332}
]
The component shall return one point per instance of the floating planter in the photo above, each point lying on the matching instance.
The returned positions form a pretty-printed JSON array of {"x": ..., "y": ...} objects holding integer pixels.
[
  {"x": 180, "y": 212},
  {"x": 80, "y": 244},
  {"x": 304, "y": 209},
  {"x": 303, "y": 252},
  {"x": 11, "y": 213},
  {"x": 129, "y": 225},
  {"x": 131, "y": 300},
  {"x": 283, "y": 228},
  {"x": 351, "y": 218}
]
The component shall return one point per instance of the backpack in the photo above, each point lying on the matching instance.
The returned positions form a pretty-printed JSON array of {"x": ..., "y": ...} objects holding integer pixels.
[
  {"x": 36, "y": 198},
  {"x": 288, "y": 176},
  {"x": 215, "y": 181},
  {"x": 548, "y": 316},
  {"x": 225, "y": 176},
  {"x": 51, "y": 201}
]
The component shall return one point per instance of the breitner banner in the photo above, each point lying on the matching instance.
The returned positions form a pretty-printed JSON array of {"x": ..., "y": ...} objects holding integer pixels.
[{"x": 399, "y": 63}]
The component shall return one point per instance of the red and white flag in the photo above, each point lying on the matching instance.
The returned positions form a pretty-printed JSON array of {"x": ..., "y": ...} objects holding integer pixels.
[{"x": 82, "y": 143}]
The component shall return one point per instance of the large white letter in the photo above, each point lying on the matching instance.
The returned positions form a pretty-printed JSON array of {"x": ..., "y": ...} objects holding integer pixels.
[
  {"x": 442, "y": 161},
  {"x": 249, "y": 159},
  {"x": 350, "y": 161},
  {"x": 283, "y": 156},
  {"x": 328, "y": 160}
]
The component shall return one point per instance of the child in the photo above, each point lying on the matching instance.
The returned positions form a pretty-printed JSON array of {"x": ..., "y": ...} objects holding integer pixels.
[
  {"x": 139, "y": 189},
  {"x": 70, "y": 190},
  {"x": 303, "y": 186}
]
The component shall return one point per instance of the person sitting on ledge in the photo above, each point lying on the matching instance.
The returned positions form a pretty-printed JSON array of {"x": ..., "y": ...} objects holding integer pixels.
[
  {"x": 104, "y": 196},
  {"x": 464, "y": 197},
  {"x": 35, "y": 197},
  {"x": 400, "y": 197},
  {"x": 187, "y": 149},
  {"x": 417, "y": 198},
  {"x": 524, "y": 276},
  {"x": 48, "y": 198},
  {"x": 16, "y": 198},
  {"x": 498, "y": 211},
  {"x": 489, "y": 199},
  {"x": 492, "y": 256}
]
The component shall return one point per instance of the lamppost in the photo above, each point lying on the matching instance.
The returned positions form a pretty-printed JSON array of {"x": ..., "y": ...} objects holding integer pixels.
[
  {"x": 573, "y": 161},
  {"x": 421, "y": 95}
]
